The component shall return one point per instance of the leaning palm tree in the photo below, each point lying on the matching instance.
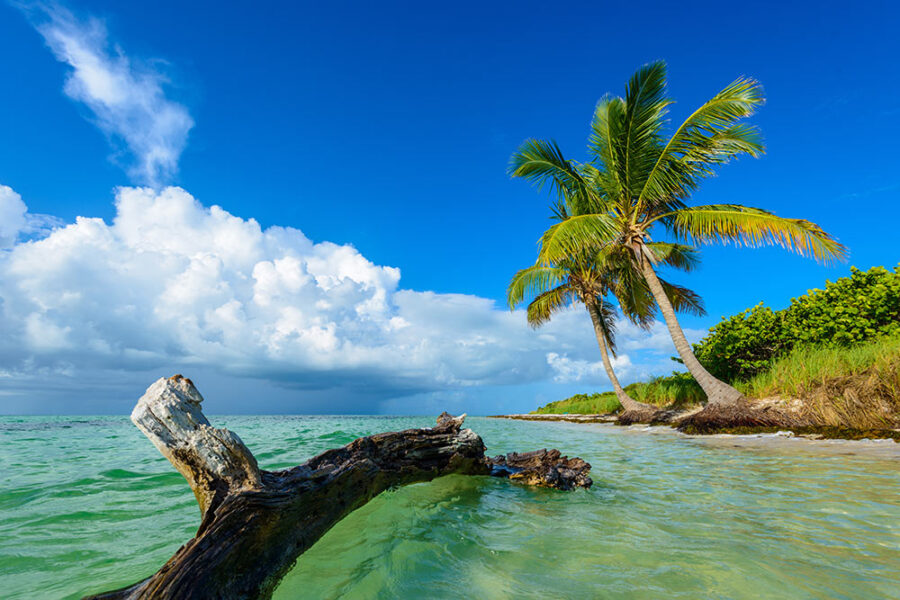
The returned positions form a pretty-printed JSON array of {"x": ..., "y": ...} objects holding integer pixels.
[
  {"x": 588, "y": 280},
  {"x": 637, "y": 182}
]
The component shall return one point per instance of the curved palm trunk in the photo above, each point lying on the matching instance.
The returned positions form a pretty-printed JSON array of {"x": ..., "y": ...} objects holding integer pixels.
[
  {"x": 717, "y": 391},
  {"x": 627, "y": 402}
]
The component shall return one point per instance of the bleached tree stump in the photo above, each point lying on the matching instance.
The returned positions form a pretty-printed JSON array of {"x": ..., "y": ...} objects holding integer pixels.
[{"x": 256, "y": 523}]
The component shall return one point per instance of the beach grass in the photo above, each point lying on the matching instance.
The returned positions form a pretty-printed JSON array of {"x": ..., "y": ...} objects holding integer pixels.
[
  {"x": 582, "y": 404},
  {"x": 678, "y": 390},
  {"x": 856, "y": 386}
]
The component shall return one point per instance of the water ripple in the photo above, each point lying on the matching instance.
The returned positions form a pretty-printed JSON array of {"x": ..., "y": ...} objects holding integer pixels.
[{"x": 88, "y": 504}]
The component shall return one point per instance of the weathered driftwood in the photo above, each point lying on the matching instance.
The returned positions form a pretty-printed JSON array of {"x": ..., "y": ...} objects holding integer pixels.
[
  {"x": 545, "y": 468},
  {"x": 256, "y": 523}
]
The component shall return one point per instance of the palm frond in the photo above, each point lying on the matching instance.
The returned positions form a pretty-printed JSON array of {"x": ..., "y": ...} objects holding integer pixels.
[
  {"x": 604, "y": 143},
  {"x": 683, "y": 300},
  {"x": 677, "y": 256},
  {"x": 533, "y": 281},
  {"x": 645, "y": 110},
  {"x": 542, "y": 163},
  {"x": 752, "y": 227},
  {"x": 718, "y": 148},
  {"x": 606, "y": 316},
  {"x": 710, "y": 136},
  {"x": 575, "y": 236},
  {"x": 545, "y": 305},
  {"x": 600, "y": 201},
  {"x": 634, "y": 297}
]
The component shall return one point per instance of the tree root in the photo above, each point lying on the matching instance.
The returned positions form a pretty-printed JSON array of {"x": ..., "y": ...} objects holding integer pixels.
[
  {"x": 739, "y": 417},
  {"x": 642, "y": 415}
]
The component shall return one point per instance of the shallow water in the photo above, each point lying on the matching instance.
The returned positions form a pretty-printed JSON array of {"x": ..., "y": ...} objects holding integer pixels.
[{"x": 87, "y": 504}]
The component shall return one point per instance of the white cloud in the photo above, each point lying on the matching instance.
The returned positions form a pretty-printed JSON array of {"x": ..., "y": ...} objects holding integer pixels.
[
  {"x": 570, "y": 370},
  {"x": 655, "y": 338},
  {"x": 172, "y": 282},
  {"x": 17, "y": 223},
  {"x": 126, "y": 98},
  {"x": 12, "y": 216}
]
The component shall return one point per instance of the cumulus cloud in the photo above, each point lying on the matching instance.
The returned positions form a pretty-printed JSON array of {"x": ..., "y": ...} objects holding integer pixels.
[
  {"x": 171, "y": 281},
  {"x": 17, "y": 223},
  {"x": 568, "y": 370},
  {"x": 127, "y": 98},
  {"x": 12, "y": 216}
]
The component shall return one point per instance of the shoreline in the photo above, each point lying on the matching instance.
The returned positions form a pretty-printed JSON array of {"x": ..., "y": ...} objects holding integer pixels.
[
  {"x": 571, "y": 418},
  {"x": 805, "y": 433}
]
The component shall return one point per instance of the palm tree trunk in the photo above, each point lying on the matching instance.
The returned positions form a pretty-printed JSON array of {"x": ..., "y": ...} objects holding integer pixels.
[
  {"x": 627, "y": 402},
  {"x": 718, "y": 392}
]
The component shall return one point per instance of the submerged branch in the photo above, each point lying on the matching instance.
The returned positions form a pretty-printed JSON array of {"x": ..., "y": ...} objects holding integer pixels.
[{"x": 256, "y": 523}]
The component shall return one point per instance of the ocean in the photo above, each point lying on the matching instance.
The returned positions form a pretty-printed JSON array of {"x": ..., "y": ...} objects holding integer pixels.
[{"x": 87, "y": 504}]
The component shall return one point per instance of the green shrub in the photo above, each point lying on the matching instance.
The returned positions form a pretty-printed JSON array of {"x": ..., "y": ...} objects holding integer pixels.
[
  {"x": 848, "y": 311},
  {"x": 743, "y": 345}
]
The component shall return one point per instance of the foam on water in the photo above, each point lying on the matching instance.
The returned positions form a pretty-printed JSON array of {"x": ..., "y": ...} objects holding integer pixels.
[{"x": 87, "y": 504}]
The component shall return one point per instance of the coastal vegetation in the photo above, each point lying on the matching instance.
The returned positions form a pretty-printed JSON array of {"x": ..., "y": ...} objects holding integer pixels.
[
  {"x": 853, "y": 309},
  {"x": 831, "y": 357},
  {"x": 673, "y": 392},
  {"x": 835, "y": 351},
  {"x": 638, "y": 182},
  {"x": 598, "y": 403},
  {"x": 856, "y": 387}
]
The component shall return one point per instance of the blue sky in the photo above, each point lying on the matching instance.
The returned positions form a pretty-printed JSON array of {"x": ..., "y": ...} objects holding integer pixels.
[{"x": 387, "y": 128}]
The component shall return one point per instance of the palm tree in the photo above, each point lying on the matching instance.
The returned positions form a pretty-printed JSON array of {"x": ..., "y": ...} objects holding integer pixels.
[
  {"x": 588, "y": 280},
  {"x": 638, "y": 182}
]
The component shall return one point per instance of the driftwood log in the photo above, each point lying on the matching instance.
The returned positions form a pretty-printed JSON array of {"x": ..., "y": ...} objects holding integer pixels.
[{"x": 256, "y": 523}]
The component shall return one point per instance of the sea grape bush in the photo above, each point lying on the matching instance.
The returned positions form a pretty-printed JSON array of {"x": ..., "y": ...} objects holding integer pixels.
[
  {"x": 742, "y": 345},
  {"x": 852, "y": 309}
]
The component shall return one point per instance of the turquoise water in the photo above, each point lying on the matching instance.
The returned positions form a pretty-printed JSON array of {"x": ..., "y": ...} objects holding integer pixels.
[{"x": 87, "y": 504}]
